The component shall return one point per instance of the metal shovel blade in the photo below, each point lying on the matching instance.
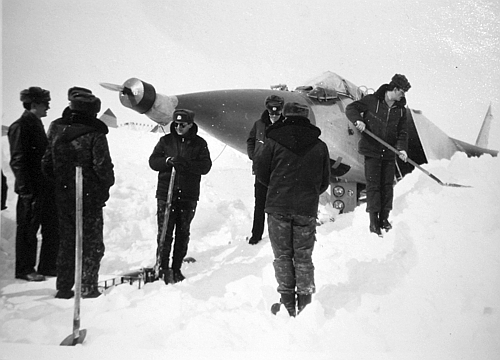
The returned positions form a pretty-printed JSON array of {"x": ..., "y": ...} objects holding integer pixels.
[{"x": 71, "y": 340}]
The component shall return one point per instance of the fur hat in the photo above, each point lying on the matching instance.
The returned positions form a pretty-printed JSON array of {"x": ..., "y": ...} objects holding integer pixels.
[
  {"x": 401, "y": 82},
  {"x": 274, "y": 103},
  {"x": 183, "y": 115},
  {"x": 295, "y": 109},
  {"x": 83, "y": 100},
  {"x": 35, "y": 94}
]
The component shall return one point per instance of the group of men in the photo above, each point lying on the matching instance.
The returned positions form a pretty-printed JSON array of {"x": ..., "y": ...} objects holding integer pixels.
[
  {"x": 290, "y": 162},
  {"x": 45, "y": 181},
  {"x": 292, "y": 168},
  {"x": 44, "y": 168}
]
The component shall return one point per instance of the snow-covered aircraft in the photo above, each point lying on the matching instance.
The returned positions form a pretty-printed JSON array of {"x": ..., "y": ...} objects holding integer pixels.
[{"x": 228, "y": 115}]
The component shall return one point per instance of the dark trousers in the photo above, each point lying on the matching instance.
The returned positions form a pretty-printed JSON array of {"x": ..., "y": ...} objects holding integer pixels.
[
  {"x": 181, "y": 215},
  {"x": 259, "y": 216},
  {"x": 33, "y": 212},
  {"x": 379, "y": 174},
  {"x": 292, "y": 239},
  {"x": 92, "y": 247}
]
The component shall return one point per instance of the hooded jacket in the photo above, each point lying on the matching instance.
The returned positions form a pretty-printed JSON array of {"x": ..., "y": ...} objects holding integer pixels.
[
  {"x": 390, "y": 124},
  {"x": 191, "y": 147},
  {"x": 79, "y": 139},
  {"x": 28, "y": 141},
  {"x": 295, "y": 166}
]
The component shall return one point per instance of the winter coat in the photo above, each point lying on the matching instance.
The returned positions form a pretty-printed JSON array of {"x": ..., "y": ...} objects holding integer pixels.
[
  {"x": 389, "y": 124},
  {"x": 295, "y": 166},
  {"x": 28, "y": 142},
  {"x": 79, "y": 139},
  {"x": 257, "y": 136},
  {"x": 191, "y": 147}
]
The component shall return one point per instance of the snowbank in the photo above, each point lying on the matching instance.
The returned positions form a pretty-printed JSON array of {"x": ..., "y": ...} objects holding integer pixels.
[{"x": 428, "y": 289}]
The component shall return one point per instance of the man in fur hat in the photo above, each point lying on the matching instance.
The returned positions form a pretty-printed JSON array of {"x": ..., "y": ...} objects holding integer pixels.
[
  {"x": 255, "y": 144},
  {"x": 295, "y": 167},
  {"x": 79, "y": 139},
  {"x": 187, "y": 152},
  {"x": 384, "y": 114},
  {"x": 35, "y": 204}
]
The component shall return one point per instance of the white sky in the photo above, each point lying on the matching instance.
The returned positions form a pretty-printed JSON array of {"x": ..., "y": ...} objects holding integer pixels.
[{"x": 449, "y": 50}]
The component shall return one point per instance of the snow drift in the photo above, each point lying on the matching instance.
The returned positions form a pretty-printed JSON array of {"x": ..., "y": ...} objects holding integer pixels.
[{"x": 428, "y": 289}]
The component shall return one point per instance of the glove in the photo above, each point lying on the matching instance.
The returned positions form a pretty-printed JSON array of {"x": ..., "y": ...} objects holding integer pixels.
[
  {"x": 403, "y": 156},
  {"x": 179, "y": 163},
  {"x": 361, "y": 126}
]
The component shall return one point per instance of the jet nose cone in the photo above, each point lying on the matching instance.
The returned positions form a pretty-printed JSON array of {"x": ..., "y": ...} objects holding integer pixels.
[{"x": 229, "y": 115}]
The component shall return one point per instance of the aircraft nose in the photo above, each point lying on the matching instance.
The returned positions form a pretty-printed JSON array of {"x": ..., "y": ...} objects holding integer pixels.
[{"x": 229, "y": 115}]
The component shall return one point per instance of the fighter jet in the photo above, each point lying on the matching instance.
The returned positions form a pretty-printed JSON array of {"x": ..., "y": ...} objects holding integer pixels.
[{"x": 228, "y": 115}]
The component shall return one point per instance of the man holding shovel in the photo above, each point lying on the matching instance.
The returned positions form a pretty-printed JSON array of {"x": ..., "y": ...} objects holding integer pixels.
[
  {"x": 383, "y": 113},
  {"x": 187, "y": 153}
]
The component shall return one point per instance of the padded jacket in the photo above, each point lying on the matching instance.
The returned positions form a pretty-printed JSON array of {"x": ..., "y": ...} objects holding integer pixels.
[
  {"x": 389, "y": 124},
  {"x": 295, "y": 166},
  {"x": 79, "y": 139},
  {"x": 187, "y": 182},
  {"x": 28, "y": 141},
  {"x": 257, "y": 136}
]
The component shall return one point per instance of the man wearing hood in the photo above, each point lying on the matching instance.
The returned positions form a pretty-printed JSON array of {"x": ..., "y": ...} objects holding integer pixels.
[
  {"x": 187, "y": 152},
  {"x": 384, "y": 114},
  {"x": 79, "y": 139},
  {"x": 35, "y": 204},
  {"x": 295, "y": 167},
  {"x": 255, "y": 144}
]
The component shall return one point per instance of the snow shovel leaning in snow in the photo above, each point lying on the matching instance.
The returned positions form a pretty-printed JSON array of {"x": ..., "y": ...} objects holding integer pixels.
[
  {"x": 78, "y": 335},
  {"x": 161, "y": 243},
  {"x": 411, "y": 161}
]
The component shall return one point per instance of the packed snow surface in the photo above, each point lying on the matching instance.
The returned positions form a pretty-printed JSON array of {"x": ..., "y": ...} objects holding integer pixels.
[{"x": 429, "y": 289}]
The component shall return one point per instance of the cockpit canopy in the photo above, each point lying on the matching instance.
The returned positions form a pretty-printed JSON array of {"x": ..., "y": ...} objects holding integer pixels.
[{"x": 330, "y": 87}]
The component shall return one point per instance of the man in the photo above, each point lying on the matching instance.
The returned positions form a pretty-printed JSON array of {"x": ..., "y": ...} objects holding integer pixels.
[
  {"x": 295, "y": 167},
  {"x": 384, "y": 114},
  {"x": 255, "y": 144},
  {"x": 35, "y": 204},
  {"x": 188, "y": 153},
  {"x": 79, "y": 139}
]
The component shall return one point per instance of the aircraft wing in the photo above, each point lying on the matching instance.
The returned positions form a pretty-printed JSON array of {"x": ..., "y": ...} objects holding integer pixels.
[
  {"x": 473, "y": 150},
  {"x": 437, "y": 145}
]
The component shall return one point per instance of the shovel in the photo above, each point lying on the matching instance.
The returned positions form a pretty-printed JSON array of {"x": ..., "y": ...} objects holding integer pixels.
[
  {"x": 411, "y": 161},
  {"x": 78, "y": 335},
  {"x": 164, "y": 229}
]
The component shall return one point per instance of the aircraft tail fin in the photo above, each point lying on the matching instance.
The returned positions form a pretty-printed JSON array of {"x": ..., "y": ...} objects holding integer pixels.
[{"x": 484, "y": 133}]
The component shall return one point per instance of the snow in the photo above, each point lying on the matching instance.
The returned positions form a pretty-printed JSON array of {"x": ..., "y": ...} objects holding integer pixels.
[{"x": 427, "y": 290}]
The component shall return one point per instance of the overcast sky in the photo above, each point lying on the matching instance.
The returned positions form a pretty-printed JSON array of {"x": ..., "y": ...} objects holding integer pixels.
[{"x": 449, "y": 50}]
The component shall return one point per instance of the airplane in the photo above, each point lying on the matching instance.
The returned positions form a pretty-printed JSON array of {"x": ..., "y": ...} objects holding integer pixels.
[{"x": 228, "y": 115}]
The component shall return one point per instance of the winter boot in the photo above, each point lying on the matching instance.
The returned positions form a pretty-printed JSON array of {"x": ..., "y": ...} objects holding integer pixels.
[
  {"x": 177, "y": 276},
  {"x": 384, "y": 220},
  {"x": 289, "y": 301},
  {"x": 166, "y": 275},
  {"x": 303, "y": 301},
  {"x": 90, "y": 291},
  {"x": 375, "y": 224},
  {"x": 65, "y": 294},
  {"x": 254, "y": 240}
]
